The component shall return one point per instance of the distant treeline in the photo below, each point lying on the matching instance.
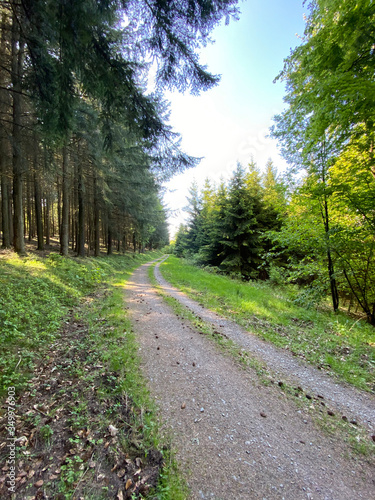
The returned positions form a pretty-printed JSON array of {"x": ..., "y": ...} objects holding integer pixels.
[{"x": 322, "y": 234}]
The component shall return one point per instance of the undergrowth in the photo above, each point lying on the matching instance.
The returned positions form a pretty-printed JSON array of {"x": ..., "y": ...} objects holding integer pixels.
[
  {"x": 39, "y": 298},
  {"x": 36, "y": 294}
]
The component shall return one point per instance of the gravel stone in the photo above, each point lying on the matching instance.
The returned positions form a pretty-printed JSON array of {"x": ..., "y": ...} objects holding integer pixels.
[{"x": 237, "y": 453}]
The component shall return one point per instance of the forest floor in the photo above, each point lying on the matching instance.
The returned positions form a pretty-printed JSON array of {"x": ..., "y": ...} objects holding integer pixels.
[
  {"x": 76, "y": 420},
  {"x": 248, "y": 421}
]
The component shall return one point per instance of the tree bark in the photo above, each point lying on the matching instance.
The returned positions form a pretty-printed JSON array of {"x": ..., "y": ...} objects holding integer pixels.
[
  {"x": 109, "y": 239},
  {"x": 47, "y": 219},
  {"x": 5, "y": 214},
  {"x": 81, "y": 213},
  {"x": 38, "y": 212},
  {"x": 64, "y": 235},
  {"x": 29, "y": 209},
  {"x": 4, "y": 144},
  {"x": 17, "y": 59},
  {"x": 96, "y": 219}
]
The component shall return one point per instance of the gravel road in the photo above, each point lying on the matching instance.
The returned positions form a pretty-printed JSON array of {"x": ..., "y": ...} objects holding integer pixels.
[{"x": 235, "y": 437}]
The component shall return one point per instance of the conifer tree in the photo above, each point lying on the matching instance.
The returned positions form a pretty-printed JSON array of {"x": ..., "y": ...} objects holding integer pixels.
[{"x": 240, "y": 241}]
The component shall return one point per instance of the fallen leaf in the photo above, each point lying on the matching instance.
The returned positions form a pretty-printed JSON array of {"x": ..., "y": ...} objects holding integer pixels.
[
  {"x": 129, "y": 482},
  {"x": 112, "y": 429},
  {"x": 120, "y": 496},
  {"x": 39, "y": 483}
]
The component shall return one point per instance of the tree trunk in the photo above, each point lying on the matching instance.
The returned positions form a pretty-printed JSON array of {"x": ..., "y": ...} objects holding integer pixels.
[
  {"x": 96, "y": 219},
  {"x": 17, "y": 58},
  {"x": 326, "y": 222},
  {"x": 48, "y": 219},
  {"x": 4, "y": 144},
  {"x": 81, "y": 214},
  {"x": 28, "y": 208},
  {"x": 331, "y": 270},
  {"x": 5, "y": 214},
  {"x": 64, "y": 236},
  {"x": 109, "y": 239},
  {"x": 38, "y": 212}
]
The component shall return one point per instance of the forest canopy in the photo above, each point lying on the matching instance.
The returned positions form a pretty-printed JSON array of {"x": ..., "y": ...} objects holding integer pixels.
[{"x": 84, "y": 145}]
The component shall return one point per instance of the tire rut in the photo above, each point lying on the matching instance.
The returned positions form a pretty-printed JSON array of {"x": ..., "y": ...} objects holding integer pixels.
[{"x": 235, "y": 438}]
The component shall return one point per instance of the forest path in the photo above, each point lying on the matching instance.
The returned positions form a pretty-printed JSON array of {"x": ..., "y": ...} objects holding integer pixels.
[{"x": 235, "y": 437}]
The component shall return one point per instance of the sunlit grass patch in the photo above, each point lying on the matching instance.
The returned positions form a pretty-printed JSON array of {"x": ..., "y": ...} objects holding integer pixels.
[
  {"x": 333, "y": 342},
  {"x": 36, "y": 293}
]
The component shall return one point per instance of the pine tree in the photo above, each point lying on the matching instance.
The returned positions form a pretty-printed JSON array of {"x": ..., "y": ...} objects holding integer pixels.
[{"x": 240, "y": 239}]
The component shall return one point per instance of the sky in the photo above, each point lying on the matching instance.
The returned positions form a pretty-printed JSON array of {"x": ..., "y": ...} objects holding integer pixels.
[{"x": 230, "y": 123}]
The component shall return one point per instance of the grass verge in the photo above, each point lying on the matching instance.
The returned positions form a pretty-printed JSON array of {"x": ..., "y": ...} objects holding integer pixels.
[
  {"x": 335, "y": 425},
  {"x": 85, "y": 423},
  {"x": 333, "y": 342}
]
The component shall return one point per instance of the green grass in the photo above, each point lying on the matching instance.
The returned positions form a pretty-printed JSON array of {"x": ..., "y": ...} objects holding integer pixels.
[
  {"x": 119, "y": 350},
  {"x": 355, "y": 436},
  {"x": 36, "y": 295},
  {"x": 333, "y": 342}
]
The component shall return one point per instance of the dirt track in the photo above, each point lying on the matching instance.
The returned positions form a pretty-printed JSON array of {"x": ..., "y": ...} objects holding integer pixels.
[{"x": 235, "y": 437}]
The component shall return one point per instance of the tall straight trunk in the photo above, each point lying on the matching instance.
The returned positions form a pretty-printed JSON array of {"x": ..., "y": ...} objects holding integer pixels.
[
  {"x": 38, "y": 212},
  {"x": 96, "y": 219},
  {"x": 47, "y": 219},
  {"x": 326, "y": 222},
  {"x": 109, "y": 233},
  {"x": 28, "y": 208},
  {"x": 4, "y": 144},
  {"x": 64, "y": 235},
  {"x": 109, "y": 241},
  {"x": 5, "y": 213},
  {"x": 58, "y": 204},
  {"x": 81, "y": 213},
  {"x": 124, "y": 242},
  {"x": 17, "y": 59}
]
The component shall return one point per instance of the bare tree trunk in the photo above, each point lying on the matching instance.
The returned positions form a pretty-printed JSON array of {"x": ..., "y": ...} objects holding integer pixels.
[
  {"x": 5, "y": 214},
  {"x": 64, "y": 236},
  {"x": 109, "y": 234},
  {"x": 17, "y": 58},
  {"x": 48, "y": 219},
  {"x": 96, "y": 219},
  {"x": 81, "y": 213},
  {"x": 28, "y": 208},
  {"x": 38, "y": 212},
  {"x": 4, "y": 144}
]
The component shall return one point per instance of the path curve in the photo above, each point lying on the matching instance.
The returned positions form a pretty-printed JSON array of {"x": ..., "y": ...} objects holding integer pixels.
[
  {"x": 236, "y": 438},
  {"x": 354, "y": 404}
]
